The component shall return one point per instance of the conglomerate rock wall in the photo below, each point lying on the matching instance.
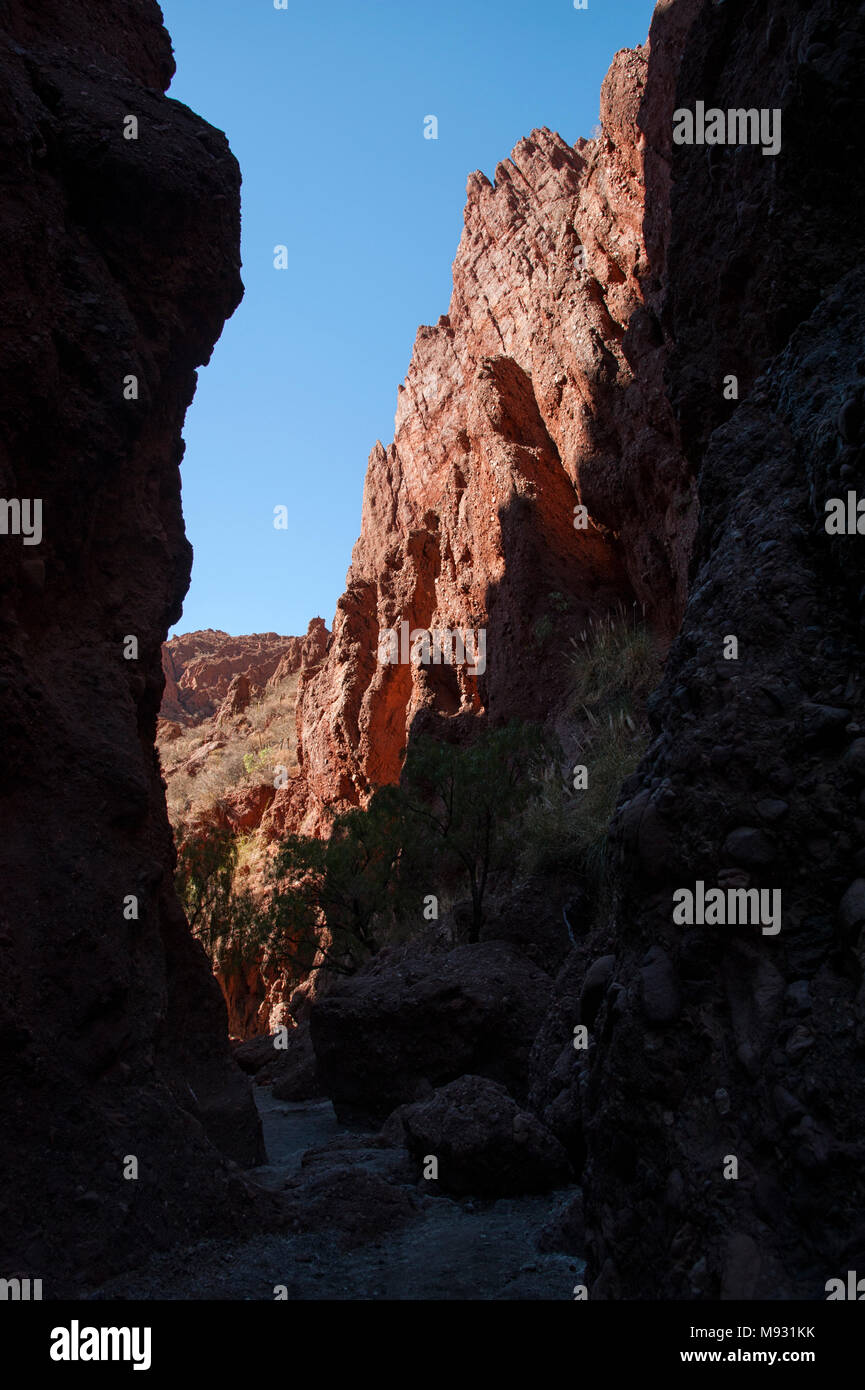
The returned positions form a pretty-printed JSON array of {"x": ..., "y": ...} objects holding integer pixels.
[{"x": 718, "y": 1041}]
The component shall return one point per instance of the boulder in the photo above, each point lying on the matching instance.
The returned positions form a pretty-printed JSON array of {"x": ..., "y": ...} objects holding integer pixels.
[
  {"x": 291, "y": 1069},
  {"x": 485, "y": 1143},
  {"x": 254, "y": 1054},
  {"x": 295, "y": 1075},
  {"x": 403, "y": 1025}
]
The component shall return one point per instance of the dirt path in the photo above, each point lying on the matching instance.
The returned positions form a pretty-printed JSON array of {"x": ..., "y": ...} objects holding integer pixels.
[{"x": 444, "y": 1249}]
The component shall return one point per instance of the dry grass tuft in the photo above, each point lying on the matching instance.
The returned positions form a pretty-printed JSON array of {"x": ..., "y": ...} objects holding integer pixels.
[{"x": 616, "y": 664}]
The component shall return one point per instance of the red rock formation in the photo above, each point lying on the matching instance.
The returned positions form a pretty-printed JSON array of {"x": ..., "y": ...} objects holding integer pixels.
[
  {"x": 549, "y": 383},
  {"x": 211, "y": 680},
  {"x": 521, "y": 402},
  {"x": 200, "y": 667},
  {"x": 113, "y": 1030}
]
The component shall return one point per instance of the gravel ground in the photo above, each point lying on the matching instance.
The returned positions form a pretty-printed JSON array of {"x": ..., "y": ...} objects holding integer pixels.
[{"x": 444, "y": 1249}]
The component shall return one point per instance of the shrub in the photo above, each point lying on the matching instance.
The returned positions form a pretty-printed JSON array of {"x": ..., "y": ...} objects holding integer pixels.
[
  {"x": 342, "y": 883},
  {"x": 455, "y": 814}
]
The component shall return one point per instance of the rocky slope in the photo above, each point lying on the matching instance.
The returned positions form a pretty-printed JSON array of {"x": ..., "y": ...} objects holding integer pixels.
[
  {"x": 357, "y": 1226},
  {"x": 200, "y": 668},
  {"x": 113, "y": 1030},
  {"x": 226, "y": 739}
]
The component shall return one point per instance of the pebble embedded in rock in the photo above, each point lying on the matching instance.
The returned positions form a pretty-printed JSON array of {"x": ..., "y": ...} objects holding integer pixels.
[
  {"x": 821, "y": 722},
  {"x": 660, "y": 993},
  {"x": 854, "y": 758},
  {"x": 799, "y": 1042},
  {"x": 598, "y": 977},
  {"x": 722, "y": 1101},
  {"x": 851, "y": 911},
  {"x": 749, "y": 846},
  {"x": 798, "y": 997},
  {"x": 772, "y": 809}
]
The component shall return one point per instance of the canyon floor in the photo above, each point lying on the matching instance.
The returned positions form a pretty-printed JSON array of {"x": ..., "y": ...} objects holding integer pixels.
[{"x": 445, "y": 1249}]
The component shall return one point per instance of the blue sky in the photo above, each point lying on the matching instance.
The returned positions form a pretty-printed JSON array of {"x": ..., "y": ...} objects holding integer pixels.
[{"x": 324, "y": 107}]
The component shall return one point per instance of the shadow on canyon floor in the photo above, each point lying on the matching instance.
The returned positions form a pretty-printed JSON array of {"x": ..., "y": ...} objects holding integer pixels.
[{"x": 339, "y": 1181}]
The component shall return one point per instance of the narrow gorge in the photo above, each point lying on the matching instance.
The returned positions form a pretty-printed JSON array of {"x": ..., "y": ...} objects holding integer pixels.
[{"x": 612, "y": 456}]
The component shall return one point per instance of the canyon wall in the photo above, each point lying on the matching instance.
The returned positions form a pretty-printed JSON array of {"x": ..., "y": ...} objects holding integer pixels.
[
  {"x": 525, "y": 401},
  {"x": 712, "y": 1042},
  {"x": 121, "y": 259}
]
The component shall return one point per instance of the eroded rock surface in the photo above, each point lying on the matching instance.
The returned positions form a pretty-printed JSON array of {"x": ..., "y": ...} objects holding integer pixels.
[{"x": 539, "y": 391}]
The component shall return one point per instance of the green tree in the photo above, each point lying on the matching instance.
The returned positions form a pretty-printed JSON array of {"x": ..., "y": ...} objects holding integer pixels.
[
  {"x": 204, "y": 878},
  {"x": 344, "y": 882},
  {"x": 235, "y": 926},
  {"x": 463, "y": 804}
]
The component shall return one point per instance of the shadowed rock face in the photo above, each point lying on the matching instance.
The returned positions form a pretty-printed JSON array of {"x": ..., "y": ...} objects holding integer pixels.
[
  {"x": 484, "y": 1142},
  {"x": 120, "y": 259},
  {"x": 715, "y": 1040}
]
